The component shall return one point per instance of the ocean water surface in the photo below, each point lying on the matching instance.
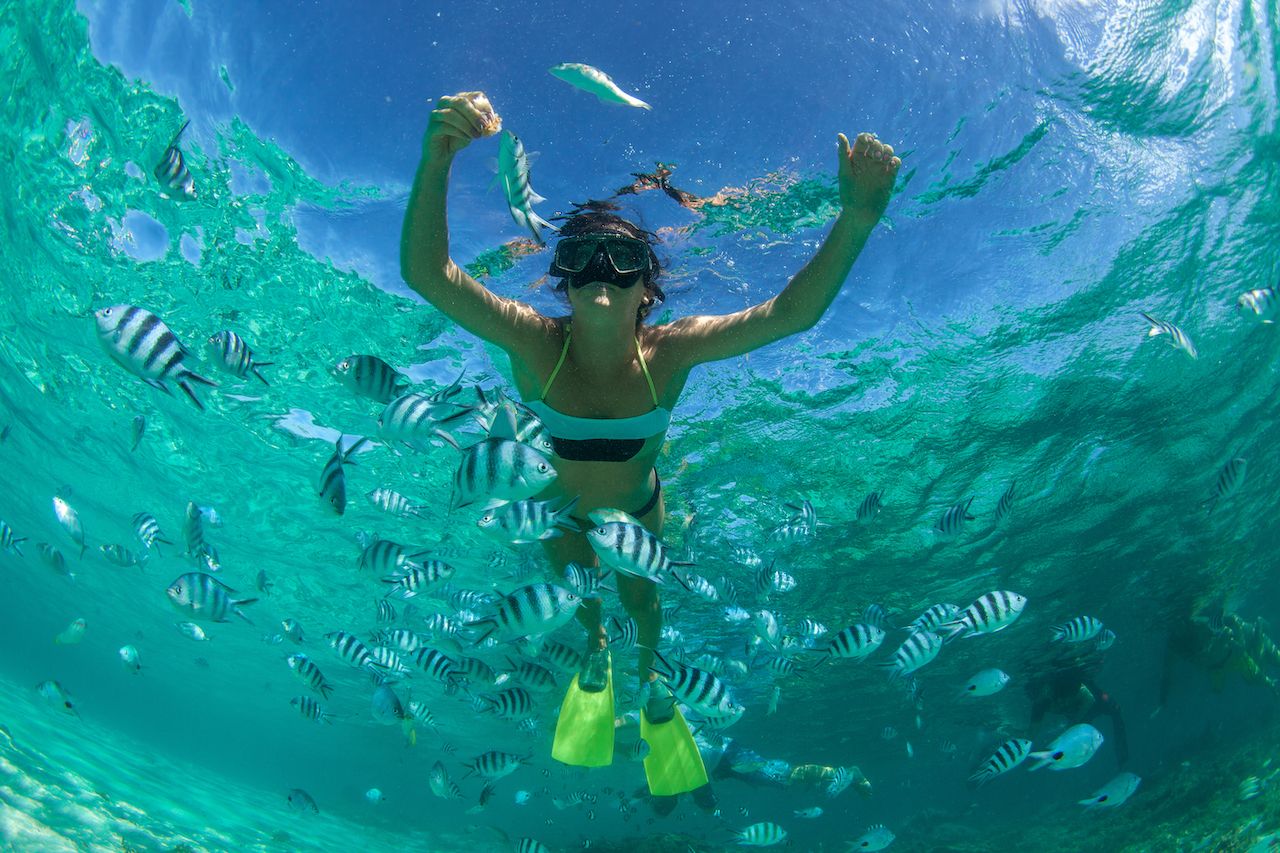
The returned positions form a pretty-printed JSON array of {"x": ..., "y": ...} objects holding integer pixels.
[{"x": 1068, "y": 167}]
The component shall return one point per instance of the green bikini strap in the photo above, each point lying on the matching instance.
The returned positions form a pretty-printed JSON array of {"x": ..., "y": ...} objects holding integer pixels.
[
  {"x": 647, "y": 378},
  {"x": 568, "y": 335}
]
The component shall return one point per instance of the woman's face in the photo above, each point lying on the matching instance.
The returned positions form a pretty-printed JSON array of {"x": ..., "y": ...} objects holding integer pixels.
[{"x": 598, "y": 298}]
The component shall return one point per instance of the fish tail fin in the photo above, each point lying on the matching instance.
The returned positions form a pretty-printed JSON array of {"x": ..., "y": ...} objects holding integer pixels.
[
  {"x": 178, "y": 135},
  {"x": 189, "y": 391},
  {"x": 1042, "y": 760},
  {"x": 243, "y": 602},
  {"x": 258, "y": 373}
]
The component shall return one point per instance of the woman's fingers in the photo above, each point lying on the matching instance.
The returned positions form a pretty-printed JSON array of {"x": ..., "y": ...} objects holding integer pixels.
[{"x": 452, "y": 123}]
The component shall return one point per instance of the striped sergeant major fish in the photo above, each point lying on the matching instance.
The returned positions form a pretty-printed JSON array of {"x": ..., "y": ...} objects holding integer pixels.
[
  {"x": 763, "y": 834},
  {"x": 53, "y": 558},
  {"x": 371, "y": 377},
  {"x": 1078, "y": 630},
  {"x": 529, "y": 428},
  {"x": 230, "y": 352},
  {"x": 954, "y": 518},
  {"x": 631, "y": 549},
  {"x": 420, "y": 713},
  {"x": 118, "y": 555},
  {"x": 586, "y": 581},
  {"x": 1230, "y": 479},
  {"x": 1177, "y": 338},
  {"x": 531, "y": 845},
  {"x": 513, "y": 175},
  {"x": 148, "y": 530},
  {"x": 333, "y": 480},
  {"x": 876, "y": 615},
  {"x": 395, "y": 503},
  {"x": 623, "y": 634},
  {"x": 594, "y": 81},
  {"x": 934, "y": 616},
  {"x": 1106, "y": 640},
  {"x": 529, "y": 611},
  {"x": 172, "y": 169},
  {"x": 500, "y": 468},
  {"x": 531, "y": 674},
  {"x": 1005, "y": 504},
  {"x": 401, "y": 639},
  {"x": 311, "y": 709},
  {"x": 562, "y": 657},
  {"x": 352, "y": 650},
  {"x": 416, "y": 578},
  {"x": 842, "y": 778},
  {"x": 293, "y": 630},
  {"x": 441, "y": 785},
  {"x": 309, "y": 674},
  {"x": 1009, "y": 755},
  {"x": 70, "y": 521},
  {"x": 703, "y": 588},
  {"x": 386, "y": 557},
  {"x": 495, "y": 764},
  {"x": 511, "y": 704},
  {"x": 142, "y": 344},
  {"x": 1262, "y": 303},
  {"x": 386, "y": 611},
  {"x": 870, "y": 507},
  {"x": 915, "y": 652},
  {"x": 522, "y": 522},
  {"x": 702, "y": 691},
  {"x": 854, "y": 643},
  {"x": 202, "y": 596},
  {"x": 387, "y": 662},
  {"x": 438, "y": 665},
  {"x": 9, "y": 541},
  {"x": 990, "y": 613},
  {"x": 193, "y": 534}
]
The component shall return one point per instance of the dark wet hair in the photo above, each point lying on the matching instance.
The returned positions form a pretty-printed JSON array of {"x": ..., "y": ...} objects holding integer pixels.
[{"x": 600, "y": 217}]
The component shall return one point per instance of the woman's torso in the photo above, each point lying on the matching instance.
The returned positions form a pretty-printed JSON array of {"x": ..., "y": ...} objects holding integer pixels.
[{"x": 619, "y": 484}]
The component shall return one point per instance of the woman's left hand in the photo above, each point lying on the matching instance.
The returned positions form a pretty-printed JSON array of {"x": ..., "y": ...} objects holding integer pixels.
[{"x": 866, "y": 174}]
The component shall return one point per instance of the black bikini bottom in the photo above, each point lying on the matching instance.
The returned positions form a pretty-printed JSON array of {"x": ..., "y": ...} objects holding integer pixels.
[{"x": 586, "y": 523}]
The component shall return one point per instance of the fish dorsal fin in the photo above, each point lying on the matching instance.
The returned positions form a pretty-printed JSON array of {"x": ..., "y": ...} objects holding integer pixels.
[
  {"x": 178, "y": 135},
  {"x": 504, "y": 421}
]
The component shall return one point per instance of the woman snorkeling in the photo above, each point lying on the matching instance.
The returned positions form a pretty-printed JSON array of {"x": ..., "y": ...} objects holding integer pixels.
[{"x": 605, "y": 383}]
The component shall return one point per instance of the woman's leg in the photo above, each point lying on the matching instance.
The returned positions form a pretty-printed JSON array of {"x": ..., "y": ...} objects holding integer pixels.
[
  {"x": 640, "y": 599},
  {"x": 574, "y": 548}
]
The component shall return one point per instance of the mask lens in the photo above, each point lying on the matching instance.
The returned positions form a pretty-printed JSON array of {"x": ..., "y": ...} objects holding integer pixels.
[
  {"x": 574, "y": 253},
  {"x": 628, "y": 256}
]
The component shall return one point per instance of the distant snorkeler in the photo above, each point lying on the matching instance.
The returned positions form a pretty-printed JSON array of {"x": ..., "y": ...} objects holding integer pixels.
[
  {"x": 604, "y": 383},
  {"x": 1221, "y": 643}
]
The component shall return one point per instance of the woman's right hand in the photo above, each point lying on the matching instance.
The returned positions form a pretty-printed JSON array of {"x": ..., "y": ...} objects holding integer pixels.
[{"x": 456, "y": 120}]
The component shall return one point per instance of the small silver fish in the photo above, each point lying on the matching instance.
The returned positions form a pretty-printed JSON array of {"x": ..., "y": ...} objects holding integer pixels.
[
  {"x": 1230, "y": 479},
  {"x": 1177, "y": 338},
  {"x": 192, "y": 631},
  {"x": 233, "y": 355},
  {"x": 513, "y": 175},
  {"x": 138, "y": 429},
  {"x": 172, "y": 169},
  {"x": 333, "y": 479},
  {"x": 52, "y": 692},
  {"x": 1263, "y": 303},
  {"x": 130, "y": 660},
  {"x": 596, "y": 82},
  {"x": 70, "y": 521},
  {"x": 205, "y": 597}
]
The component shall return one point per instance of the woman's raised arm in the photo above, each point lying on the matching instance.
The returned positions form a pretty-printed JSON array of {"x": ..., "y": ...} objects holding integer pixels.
[
  {"x": 425, "y": 264},
  {"x": 866, "y": 173}
]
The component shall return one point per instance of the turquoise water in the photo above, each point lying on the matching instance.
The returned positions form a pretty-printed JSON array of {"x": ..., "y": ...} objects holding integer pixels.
[{"x": 1066, "y": 166}]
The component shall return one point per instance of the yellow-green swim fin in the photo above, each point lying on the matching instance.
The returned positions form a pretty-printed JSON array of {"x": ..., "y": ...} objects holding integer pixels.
[
  {"x": 584, "y": 731},
  {"x": 674, "y": 764}
]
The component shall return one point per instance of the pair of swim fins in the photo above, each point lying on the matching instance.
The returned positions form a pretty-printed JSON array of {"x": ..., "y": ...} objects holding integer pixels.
[{"x": 584, "y": 738}]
